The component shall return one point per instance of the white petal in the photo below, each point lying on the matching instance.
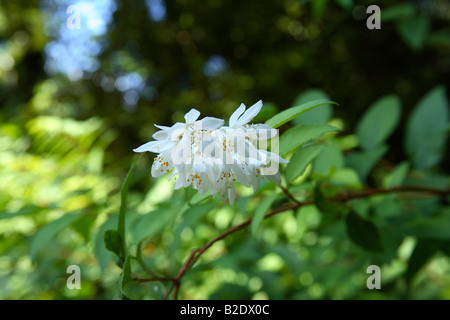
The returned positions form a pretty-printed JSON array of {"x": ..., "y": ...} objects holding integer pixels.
[
  {"x": 178, "y": 184},
  {"x": 176, "y": 133},
  {"x": 156, "y": 170},
  {"x": 162, "y": 127},
  {"x": 236, "y": 115},
  {"x": 210, "y": 123},
  {"x": 241, "y": 175},
  {"x": 249, "y": 114},
  {"x": 155, "y": 146},
  {"x": 265, "y": 132},
  {"x": 160, "y": 135},
  {"x": 192, "y": 115},
  {"x": 273, "y": 157},
  {"x": 210, "y": 176},
  {"x": 199, "y": 167},
  {"x": 255, "y": 184},
  {"x": 231, "y": 194},
  {"x": 174, "y": 173}
]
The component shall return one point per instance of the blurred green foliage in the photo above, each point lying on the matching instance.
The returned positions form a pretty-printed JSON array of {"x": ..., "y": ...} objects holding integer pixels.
[{"x": 66, "y": 146}]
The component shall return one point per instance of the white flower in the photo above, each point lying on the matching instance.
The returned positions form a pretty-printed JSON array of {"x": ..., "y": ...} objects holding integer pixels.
[{"x": 209, "y": 156}]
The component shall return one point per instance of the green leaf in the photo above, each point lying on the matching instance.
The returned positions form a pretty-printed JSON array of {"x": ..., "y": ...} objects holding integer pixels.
[
  {"x": 84, "y": 226},
  {"x": 297, "y": 164},
  {"x": 123, "y": 205},
  {"x": 48, "y": 232},
  {"x": 398, "y": 12},
  {"x": 378, "y": 122},
  {"x": 397, "y": 176},
  {"x": 347, "y": 177},
  {"x": 125, "y": 277},
  {"x": 291, "y": 113},
  {"x": 329, "y": 160},
  {"x": 318, "y": 7},
  {"x": 189, "y": 192},
  {"x": 426, "y": 135},
  {"x": 141, "y": 261},
  {"x": 317, "y": 115},
  {"x": 346, "y": 4},
  {"x": 297, "y": 136},
  {"x": 268, "y": 110},
  {"x": 363, "y": 162},
  {"x": 102, "y": 254},
  {"x": 432, "y": 228},
  {"x": 363, "y": 232},
  {"x": 261, "y": 210},
  {"x": 328, "y": 207},
  {"x": 153, "y": 222},
  {"x": 24, "y": 211},
  {"x": 414, "y": 31},
  {"x": 423, "y": 251},
  {"x": 113, "y": 242},
  {"x": 196, "y": 212}
]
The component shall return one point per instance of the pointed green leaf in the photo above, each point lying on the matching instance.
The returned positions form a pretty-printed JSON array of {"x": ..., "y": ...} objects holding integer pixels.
[
  {"x": 261, "y": 210},
  {"x": 414, "y": 31},
  {"x": 363, "y": 232},
  {"x": 363, "y": 162},
  {"x": 329, "y": 160},
  {"x": 103, "y": 255},
  {"x": 268, "y": 110},
  {"x": 378, "y": 122},
  {"x": 291, "y": 113},
  {"x": 431, "y": 228},
  {"x": 423, "y": 251},
  {"x": 398, "y": 12},
  {"x": 317, "y": 115},
  {"x": 397, "y": 176},
  {"x": 48, "y": 232},
  {"x": 345, "y": 4},
  {"x": 113, "y": 242},
  {"x": 298, "y": 135},
  {"x": 123, "y": 205},
  {"x": 195, "y": 212},
  {"x": 153, "y": 222},
  {"x": 347, "y": 177},
  {"x": 297, "y": 164},
  {"x": 426, "y": 135},
  {"x": 125, "y": 277}
]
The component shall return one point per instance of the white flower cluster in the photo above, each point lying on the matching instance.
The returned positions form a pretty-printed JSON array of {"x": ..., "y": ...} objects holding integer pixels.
[{"x": 210, "y": 156}]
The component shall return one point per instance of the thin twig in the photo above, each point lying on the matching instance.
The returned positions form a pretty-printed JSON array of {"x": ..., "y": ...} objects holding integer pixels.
[
  {"x": 166, "y": 296},
  {"x": 196, "y": 253},
  {"x": 286, "y": 192}
]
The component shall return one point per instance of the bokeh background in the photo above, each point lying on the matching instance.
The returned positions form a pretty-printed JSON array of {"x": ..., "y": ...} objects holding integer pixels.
[{"x": 75, "y": 102}]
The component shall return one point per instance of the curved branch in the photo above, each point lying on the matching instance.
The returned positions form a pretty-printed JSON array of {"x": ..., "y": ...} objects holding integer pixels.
[{"x": 196, "y": 253}]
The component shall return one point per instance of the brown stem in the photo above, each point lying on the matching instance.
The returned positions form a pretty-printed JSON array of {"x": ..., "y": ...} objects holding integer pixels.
[
  {"x": 286, "y": 192},
  {"x": 196, "y": 253}
]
